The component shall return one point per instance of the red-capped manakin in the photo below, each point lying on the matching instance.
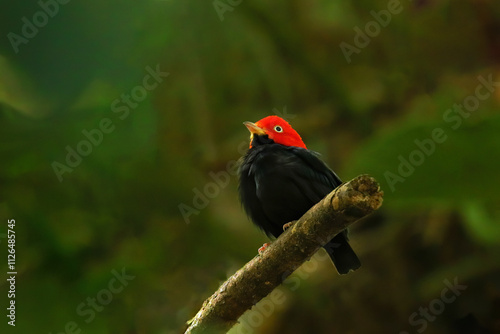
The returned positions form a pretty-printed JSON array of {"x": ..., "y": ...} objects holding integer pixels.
[{"x": 280, "y": 179}]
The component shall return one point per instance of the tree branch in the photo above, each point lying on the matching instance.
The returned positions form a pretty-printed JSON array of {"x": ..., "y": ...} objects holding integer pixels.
[{"x": 342, "y": 207}]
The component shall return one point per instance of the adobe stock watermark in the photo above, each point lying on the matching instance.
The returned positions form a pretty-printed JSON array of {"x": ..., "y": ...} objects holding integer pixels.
[
  {"x": 223, "y": 6},
  {"x": 30, "y": 28},
  {"x": 220, "y": 180},
  {"x": 256, "y": 316},
  {"x": 372, "y": 29},
  {"x": 454, "y": 118},
  {"x": 425, "y": 315},
  {"x": 122, "y": 107},
  {"x": 88, "y": 309}
]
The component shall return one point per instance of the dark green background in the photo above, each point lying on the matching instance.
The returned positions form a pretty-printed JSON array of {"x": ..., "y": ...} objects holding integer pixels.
[{"x": 119, "y": 208}]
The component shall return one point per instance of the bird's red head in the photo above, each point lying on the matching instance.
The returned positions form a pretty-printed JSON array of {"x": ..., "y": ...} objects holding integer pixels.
[{"x": 277, "y": 129}]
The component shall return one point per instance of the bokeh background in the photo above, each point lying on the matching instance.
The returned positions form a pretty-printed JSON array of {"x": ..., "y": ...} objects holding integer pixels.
[{"x": 228, "y": 62}]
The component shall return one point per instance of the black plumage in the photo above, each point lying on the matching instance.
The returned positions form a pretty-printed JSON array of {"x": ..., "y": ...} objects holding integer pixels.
[{"x": 279, "y": 183}]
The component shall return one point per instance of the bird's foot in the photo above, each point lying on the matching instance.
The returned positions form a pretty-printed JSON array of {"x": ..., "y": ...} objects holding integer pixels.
[
  {"x": 288, "y": 225},
  {"x": 263, "y": 248}
]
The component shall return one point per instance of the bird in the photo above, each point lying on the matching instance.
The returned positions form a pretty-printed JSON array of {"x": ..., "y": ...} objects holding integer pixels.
[{"x": 280, "y": 180}]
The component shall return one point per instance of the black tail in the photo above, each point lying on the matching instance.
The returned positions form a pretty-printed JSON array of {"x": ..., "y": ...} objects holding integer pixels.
[{"x": 341, "y": 253}]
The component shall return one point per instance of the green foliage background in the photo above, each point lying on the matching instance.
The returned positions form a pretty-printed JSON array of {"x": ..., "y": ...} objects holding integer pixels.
[{"x": 119, "y": 208}]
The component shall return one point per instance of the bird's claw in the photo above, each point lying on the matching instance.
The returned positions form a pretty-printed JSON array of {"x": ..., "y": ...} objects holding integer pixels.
[
  {"x": 288, "y": 225},
  {"x": 263, "y": 248}
]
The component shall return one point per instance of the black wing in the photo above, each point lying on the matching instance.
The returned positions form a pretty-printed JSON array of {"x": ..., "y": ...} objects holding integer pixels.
[{"x": 279, "y": 184}]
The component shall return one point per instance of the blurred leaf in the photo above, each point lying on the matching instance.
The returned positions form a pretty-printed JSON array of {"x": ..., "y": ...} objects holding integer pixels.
[
  {"x": 481, "y": 226},
  {"x": 459, "y": 169}
]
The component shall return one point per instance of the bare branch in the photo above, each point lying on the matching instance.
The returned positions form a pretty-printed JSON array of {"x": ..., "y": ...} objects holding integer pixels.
[{"x": 339, "y": 209}]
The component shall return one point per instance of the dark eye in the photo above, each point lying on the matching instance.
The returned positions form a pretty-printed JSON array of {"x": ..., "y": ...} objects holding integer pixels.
[{"x": 278, "y": 128}]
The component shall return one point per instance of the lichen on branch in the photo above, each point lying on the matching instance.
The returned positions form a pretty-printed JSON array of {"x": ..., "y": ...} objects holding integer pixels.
[{"x": 342, "y": 207}]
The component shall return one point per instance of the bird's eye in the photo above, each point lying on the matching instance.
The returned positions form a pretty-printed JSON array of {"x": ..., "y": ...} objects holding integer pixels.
[{"x": 278, "y": 128}]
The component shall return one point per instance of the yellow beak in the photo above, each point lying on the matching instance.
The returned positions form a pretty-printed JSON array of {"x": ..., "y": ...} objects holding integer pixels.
[{"x": 254, "y": 129}]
